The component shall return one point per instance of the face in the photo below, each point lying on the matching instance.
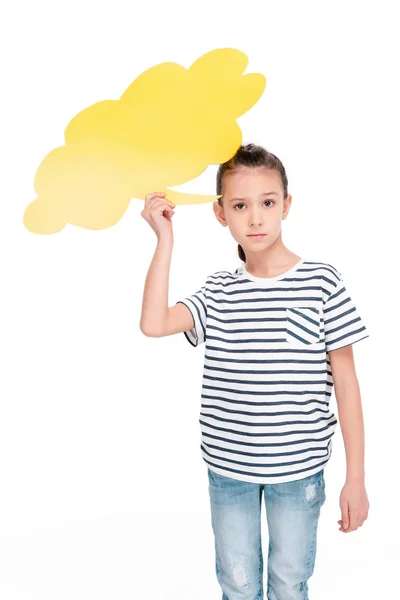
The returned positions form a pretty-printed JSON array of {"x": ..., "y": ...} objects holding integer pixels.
[{"x": 253, "y": 202}]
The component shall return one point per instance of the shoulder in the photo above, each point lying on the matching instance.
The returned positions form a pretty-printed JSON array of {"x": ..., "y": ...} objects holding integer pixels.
[
  {"x": 222, "y": 278},
  {"x": 328, "y": 276},
  {"x": 323, "y": 270}
]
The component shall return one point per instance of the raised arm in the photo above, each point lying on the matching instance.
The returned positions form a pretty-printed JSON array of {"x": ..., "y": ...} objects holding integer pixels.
[{"x": 157, "y": 319}]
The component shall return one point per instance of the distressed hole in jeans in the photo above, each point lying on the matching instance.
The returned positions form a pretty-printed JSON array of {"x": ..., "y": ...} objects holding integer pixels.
[
  {"x": 311, "y": 491},
  {"x": 239, "y": 575}
]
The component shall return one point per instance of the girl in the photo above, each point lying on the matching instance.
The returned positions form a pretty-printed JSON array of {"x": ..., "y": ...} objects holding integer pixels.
[{"x": 279, "y": 332}]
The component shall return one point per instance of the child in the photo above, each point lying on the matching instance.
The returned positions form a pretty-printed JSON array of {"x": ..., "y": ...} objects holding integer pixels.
[{"x": 279, "y": 332}]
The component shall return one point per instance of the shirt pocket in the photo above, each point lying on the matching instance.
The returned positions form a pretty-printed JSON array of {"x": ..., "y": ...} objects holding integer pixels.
[{"x": 303, "y": 325}]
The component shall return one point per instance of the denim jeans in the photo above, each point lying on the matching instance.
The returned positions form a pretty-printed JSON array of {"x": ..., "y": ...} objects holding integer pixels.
[{"x": 292, "y": 511}]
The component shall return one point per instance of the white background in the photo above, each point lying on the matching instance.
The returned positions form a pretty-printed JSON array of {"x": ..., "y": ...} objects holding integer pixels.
[{"x": 104, "y": 493}]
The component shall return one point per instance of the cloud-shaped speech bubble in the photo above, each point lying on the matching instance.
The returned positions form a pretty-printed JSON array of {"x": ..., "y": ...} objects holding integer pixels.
[{"x": 167, "y": 127}]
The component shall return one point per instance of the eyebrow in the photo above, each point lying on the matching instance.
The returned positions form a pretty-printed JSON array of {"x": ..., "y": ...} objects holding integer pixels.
[{"x": 263, "y": 194}]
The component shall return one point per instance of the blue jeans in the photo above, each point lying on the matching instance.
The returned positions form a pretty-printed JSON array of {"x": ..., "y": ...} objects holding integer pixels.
[{"x": 293, "y": 511}]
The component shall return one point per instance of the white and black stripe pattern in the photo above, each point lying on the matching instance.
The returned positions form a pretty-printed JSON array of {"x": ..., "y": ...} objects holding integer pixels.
[{"x": 267, "y": 381}]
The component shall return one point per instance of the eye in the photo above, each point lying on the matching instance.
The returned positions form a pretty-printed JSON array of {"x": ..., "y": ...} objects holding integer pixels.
[{"x": 241, "y": 203}]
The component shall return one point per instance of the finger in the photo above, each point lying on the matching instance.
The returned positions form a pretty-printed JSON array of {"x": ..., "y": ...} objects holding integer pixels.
[
  {"x": 161, "y": 201},
  {"x": 168, "y": 214},
  {"x": 353, "y": 513},
  {"x": 150, "y": 198},
  {"x": 163, "y": 209},
  {"x": 154, "y": 194},
  {"x": 345, "y": 516},
  {"x": 159, "y": 206}
]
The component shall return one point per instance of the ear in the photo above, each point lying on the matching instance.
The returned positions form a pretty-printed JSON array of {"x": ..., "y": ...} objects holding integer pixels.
[
  {"x": 286, "y": 206},
  {"x": 219, "y": 213}
]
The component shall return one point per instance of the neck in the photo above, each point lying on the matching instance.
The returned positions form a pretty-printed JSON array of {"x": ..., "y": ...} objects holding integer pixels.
[{"x": 271, "y": 261}]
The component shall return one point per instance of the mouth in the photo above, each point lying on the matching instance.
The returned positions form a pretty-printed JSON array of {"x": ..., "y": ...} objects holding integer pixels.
[{"x": 257, "y": 235}]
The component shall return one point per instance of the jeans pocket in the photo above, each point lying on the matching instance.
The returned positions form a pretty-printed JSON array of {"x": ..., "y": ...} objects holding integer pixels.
[{"x": 217, "y": 480}]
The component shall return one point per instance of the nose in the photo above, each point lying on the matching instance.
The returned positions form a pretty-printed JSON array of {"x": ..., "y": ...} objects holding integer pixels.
[{"x": 255, "y": 220}]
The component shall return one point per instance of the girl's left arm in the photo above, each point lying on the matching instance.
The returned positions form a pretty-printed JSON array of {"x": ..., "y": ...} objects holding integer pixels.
[{"x": 353, "y": 499}]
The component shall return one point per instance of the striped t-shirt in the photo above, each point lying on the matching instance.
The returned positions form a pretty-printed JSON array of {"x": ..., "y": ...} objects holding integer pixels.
[{"x": 267, "y": 378}]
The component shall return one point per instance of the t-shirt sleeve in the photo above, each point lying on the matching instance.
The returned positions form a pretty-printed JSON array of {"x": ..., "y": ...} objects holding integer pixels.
[
  {"x": 342, "y": 322},
  {"x": 197, "y": 304}
]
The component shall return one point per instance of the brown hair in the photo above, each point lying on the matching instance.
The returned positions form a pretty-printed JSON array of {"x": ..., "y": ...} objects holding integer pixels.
[{"x": 251, "y": 156}]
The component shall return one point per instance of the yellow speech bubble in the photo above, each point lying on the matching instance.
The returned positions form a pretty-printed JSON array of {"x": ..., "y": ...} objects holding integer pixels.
[{"x": 167, "y": 127}]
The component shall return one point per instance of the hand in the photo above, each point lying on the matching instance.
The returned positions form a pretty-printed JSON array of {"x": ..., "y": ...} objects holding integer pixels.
[
  {"x": 158, "y": 212},
  {"x": 354, "y": 505}
]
